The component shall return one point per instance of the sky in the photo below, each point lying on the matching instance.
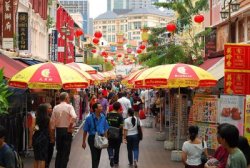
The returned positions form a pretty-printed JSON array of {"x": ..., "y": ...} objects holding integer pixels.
[{"x": 97, "y": 7}]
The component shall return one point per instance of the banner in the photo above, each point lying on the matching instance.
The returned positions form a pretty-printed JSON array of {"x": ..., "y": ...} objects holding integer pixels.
[
  {"x": 23, "y": 31},
  {"x": 247, "y": 118},
  {"x": 237, "y": 69},
  {"x": 53, "y": 54},
  {"x": 8, "y": 24},
  {"x": 231, "y": 110}
]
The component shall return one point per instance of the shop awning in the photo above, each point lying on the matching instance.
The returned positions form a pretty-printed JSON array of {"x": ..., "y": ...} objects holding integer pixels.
[
  {"x": 215, "y": 66},
  {"x": 11, "y": 67},
  {"x": 28, "y": 61}
]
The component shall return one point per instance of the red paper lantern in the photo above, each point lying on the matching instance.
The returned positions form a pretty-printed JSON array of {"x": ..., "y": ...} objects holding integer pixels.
[
  {"x": 142, "y": 47},
  {"x": 199, "y": 18},
  {"x": 104, "y": 54},
  {"x": 95, "y": 40},
  {"x": 78, "y": 32},
  {"x": 93, "y": 50},
  {"x": 139, "y": 51},
  {"x": 171, "y": 27},
  {"x": 98, "y": 34},
  {"x": 119, "y": 55}
]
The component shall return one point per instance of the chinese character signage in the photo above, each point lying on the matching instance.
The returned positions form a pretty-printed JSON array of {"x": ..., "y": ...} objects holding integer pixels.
[
  {"x": 237, "y": 69},
  {"x": 247, "y": 118},
  {"x": 231, "y": 110},
  {"x": 8, "y": 24},
  {"x": 53, "y": 46},
  {"x": 23, "y": 31}
]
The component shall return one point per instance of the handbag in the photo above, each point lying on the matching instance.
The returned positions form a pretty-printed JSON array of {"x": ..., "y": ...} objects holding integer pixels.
[
  {"x": 113, "y": 132},
  {"x": 140, "y": 135},
  {"x": 100, "y": 142},
  {"x": 204, "y": 158}
]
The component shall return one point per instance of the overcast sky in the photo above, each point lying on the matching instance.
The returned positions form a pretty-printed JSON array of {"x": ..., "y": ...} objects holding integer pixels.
[{"x": 97, "y": 7}]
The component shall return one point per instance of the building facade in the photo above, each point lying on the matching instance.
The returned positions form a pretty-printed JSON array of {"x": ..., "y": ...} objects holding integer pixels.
[
  {"x": 130, "y": 24},
  {"x": 78, "y": 6},
  {"x": 128, "y": 4}
]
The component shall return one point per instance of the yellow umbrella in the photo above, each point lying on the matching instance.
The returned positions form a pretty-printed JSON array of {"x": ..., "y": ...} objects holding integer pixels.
[
  {"x": 176, "y": 75},
  {"x": 84, "y": 67},
  {"x": 48, "y": 76}
]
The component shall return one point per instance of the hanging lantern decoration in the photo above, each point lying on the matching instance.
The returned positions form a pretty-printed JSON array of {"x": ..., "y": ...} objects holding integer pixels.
[
  {"x": 199, "y": 18},
  {"x": 98, "y": 34},
  {"x": 78, "y": 32},
  {"x": 119, "y": 55},
  {"x": 104, "y": 54},
  {"x": 142, "y": 47},
  {"x": 171, "y": 27},
  {"x": 126, "y": 56},
  {"x": 129, "y": 50},
  {"x": 95, "y": 40},
  {"x": 144, "y": 34},
  {"x": 93, "y": 50},
  {"x": 139, "y": 51}
]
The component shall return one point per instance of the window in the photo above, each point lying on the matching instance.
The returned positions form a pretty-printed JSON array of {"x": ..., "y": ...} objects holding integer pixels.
[
  {"x": 113, "y": 28},
  {"x": 137, "y": 25},
  {"x": 109, "y": 28},
  {"x": 113, "y": 38},
  {"x": 129, "y": 35},
  {"x": 241, "y": 31}
]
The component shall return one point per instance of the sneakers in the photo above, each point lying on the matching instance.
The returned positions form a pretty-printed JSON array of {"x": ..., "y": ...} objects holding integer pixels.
[
  {"x": 112, "y": 162},
  {"x": 135, "y": 164}
]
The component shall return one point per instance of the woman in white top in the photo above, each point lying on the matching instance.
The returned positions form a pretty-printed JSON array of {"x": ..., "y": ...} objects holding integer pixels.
[
  {"x": 131, "y": 137},
  {"x": 192, "y": 149}
]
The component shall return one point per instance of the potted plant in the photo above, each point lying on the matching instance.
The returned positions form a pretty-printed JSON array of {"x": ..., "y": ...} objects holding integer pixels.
[{"x": 4, "y": 94}]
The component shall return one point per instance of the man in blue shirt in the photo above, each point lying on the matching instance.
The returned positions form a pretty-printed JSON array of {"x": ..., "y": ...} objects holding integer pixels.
[
  {"x": 95, "y": 122},
  {"x": 7, "y": 157}
]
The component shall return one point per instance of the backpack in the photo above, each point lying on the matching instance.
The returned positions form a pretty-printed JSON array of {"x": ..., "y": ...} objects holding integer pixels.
[{"x": 18, "y": 159}]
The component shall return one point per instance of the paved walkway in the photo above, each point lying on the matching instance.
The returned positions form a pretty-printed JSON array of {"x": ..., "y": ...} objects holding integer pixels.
[{"x": 152, "y": 154}]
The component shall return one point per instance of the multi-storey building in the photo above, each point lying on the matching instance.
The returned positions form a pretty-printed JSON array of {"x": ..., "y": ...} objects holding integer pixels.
[
  {"x": 130, "y": 24},
  {"x": 78, "y": 6},
  {"x": 128, "y": 4}
]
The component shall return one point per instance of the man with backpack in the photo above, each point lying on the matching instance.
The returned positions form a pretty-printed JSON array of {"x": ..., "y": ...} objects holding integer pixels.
[{"x": 7, "y": 156}]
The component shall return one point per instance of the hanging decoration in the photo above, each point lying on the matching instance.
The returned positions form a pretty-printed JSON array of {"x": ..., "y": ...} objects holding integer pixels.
[
  {"x": 78, "y": 32},
  {"x": 129, "y": 50},
  {"x": 93, "y": 50},
  {"x": 95, "y": 40},
  {"x": 119, "y": 55},
  {"x": 142, "y": 47},
  {"x": 139, "y": 51},
  {"x": 98, "y": 34},
  {"x": 171, "y": 27},
  {"x": 104, "y": 54},
  {"x": 144, "y": 34},
  {"x": 199, "y": 18},
  {"x": 126, "y": 56}
]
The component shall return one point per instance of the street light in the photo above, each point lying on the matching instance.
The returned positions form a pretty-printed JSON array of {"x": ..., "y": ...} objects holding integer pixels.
[
  {"x": 66, "y": 31},
  {"x": 233, "y": 6}
]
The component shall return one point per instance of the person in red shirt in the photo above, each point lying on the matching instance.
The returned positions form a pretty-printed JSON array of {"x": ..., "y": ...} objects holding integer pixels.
[
  {"x": 104, "y": 92},
  {"x": 136, "y": 103}
]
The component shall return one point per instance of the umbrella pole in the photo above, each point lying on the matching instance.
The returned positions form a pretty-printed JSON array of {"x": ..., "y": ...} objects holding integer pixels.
[
  {"x": 160, "y": 118},
  {"x": 178, "y": 117}
]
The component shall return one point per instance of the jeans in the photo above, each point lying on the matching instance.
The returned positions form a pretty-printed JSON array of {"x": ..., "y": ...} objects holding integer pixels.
[
  {"x": 114, "y": 150},
  {"x": 95, "y": 152},
  {"x": 133, "y": 148},
  {"x": 63, "y": 146}
]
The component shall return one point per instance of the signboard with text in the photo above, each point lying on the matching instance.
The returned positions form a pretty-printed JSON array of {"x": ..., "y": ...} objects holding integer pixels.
[
  {"x": 53, "y": 54},
  {"x": 237, "y": 69},
  {"x": 23, "y": 31},
  {"x": 8, "y": 24}
]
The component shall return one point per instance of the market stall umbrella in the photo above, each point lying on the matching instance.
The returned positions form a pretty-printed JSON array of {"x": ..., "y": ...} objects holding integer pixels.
[
  {"x": 175, "y": 76},
  {"x": 129, "y": 80},
  {"x": 48, "y": 76},
  {"x": 84, "y": 67}
]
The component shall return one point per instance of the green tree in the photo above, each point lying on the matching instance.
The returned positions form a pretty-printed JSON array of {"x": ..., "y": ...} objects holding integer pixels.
[
  {"x": 100, "y": 61},
  {"x": 161, "y": 52},
  {"x": 4, "y": 94}
]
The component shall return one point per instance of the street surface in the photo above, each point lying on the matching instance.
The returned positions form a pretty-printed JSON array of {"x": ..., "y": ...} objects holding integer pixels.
[{"x": 152, "y": 154}]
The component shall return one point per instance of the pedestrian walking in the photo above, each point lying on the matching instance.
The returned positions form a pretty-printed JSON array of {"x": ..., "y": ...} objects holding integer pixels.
[
  {"x": 95, "y": 122},
  {"x": 115, "y": 120},
  {"x": 41, "y": 138},
  {"x": 229, "y": 135},
  {"x": 193, "y": 149},
  {"x": 52, "y": 140},
  {"x": 131, "y": 137},
  {"x": 104, "y": 102},
  {"x": 62, "y": 121},
  {"x": 7, "y": 157},
  {"x": 125, "y": 102},
  {"x": 245, "y": 149}
]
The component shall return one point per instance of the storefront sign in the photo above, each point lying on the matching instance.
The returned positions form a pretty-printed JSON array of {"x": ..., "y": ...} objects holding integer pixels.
[
  {"x": 23, "y": 31},
  {"x": 8, "y": 24},
  {"x": 237, "y": 68},
  {"x": 210, "y": 43},
  {"x": 231, "y": 110},
  {"x": 53, "y": 46}
]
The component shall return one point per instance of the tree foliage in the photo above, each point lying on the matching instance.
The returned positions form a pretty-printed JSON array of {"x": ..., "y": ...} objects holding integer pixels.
[
  {"x": 100, "y": 61},
  {"x": 4, "y": 94},
  {"x": 162, "y": 47}
]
